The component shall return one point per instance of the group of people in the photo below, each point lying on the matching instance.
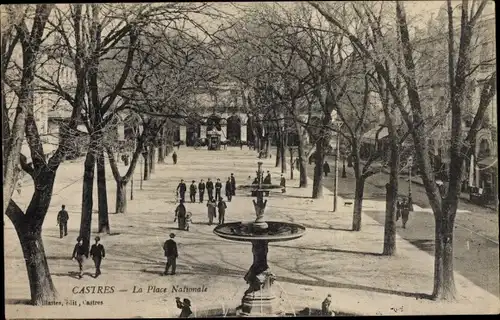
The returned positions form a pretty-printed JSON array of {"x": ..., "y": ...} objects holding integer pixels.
[
  {"x": 215, "y": 200},
  {"x": 80, "y": 251},
  {"x": 230, "y": 189}
]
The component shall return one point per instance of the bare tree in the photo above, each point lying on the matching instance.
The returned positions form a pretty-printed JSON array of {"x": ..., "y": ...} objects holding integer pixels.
[
  {"x": 460, "y": 70},
  {"x": 15, "y": 31}
]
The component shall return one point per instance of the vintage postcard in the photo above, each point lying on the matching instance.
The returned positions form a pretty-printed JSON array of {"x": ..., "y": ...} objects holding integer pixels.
[{"x": 249, "y": 159}]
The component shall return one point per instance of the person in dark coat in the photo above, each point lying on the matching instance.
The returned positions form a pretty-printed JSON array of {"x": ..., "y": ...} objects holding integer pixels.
[
  {"x": 212, "y": 211},
  {"x": 185, "y": 306},
  {"x": 174, "y": 156},
  {"x": 181, "y": 190},
  {"x": 229, "y": 189},
  {"x": 180, "y": 215},
  {"x": 222, "y": 210},
  {"x": 201, "y": 190},
  {"x": 326, "y": 168},
  {"x": 62, "y": 221},
  {"x": 267, "y": 179},
  {"x": 192, "y": 191},
  {"x": 297, "y": 164},
  {"x": 218, "y": 187},
  {"x": 210, "y": 189},
  {"x": 97, "y": 253},
  {"x": 405, "y": 212},
  {"x": 79, "y": 252},
  {"x": 283, "y": 184},
  {"x": 170, "y": 249},
  {"x": 233, "y": 184}
]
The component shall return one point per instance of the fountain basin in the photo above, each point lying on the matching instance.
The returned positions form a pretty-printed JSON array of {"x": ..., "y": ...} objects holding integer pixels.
[
  {"x": 262, "y": 186},
  {"x": 245, "y": 231}
]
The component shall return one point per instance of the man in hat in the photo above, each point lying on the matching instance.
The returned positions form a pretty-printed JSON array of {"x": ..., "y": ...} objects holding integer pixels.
[
  {"x": 267, "y": 179},
  {"x": 174, "y": 156},
  {"x": 326, "y": 168},
  {"x": 218, "y": 187},
  {"x": 79, "y": 253},
  {"x": 283, "y": 184},
  {"x": 97, "y": 254},
  {"x": 201, "y": 190},
  {"x": 210, "y": 189},
  {"x": 170, "y": 249},
  {"x": 222, "y": 210},
  {"x": 181, "y": 189},
  {"x": 180, "y": 215},
  {"x": 233, "y": 184},
  {"x": 229, "y": 189},
  {"x": 325, "y": 306},
  {"x": 185, "y": 306},
  {"x": 192, "y": 192},
  {"x": 62, "y": 221}
]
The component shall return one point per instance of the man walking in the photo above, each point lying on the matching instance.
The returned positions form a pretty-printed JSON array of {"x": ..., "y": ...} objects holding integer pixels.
[
  {"x": 233, "y": 185},
  {"x": 326, "y": 168},
  {"x": 79, "y": 253},
  {"x": 174, "y": 157},
  {"x": 170, "y": 249},
  {"x": 181, "y": 189},
  {"x": 210, "y": 189},
  {"x": 97, "y": 254},
  {"x": 218, "y": 187},
  {"x": 62, "y": 221},
  {"x": 283, "y": 184},
  {"x": 192, "y": 192},
  {"x": 201, "y": 190},
  {"x": 222, "y": 210},
  {"x": 229, "y": 189}
]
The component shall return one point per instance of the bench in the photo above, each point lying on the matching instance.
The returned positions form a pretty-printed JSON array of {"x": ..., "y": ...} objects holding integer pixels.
[{"x": 347, "y": 203}]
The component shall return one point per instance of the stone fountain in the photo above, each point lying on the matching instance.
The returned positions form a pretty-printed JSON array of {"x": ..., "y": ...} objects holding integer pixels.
[{"x": 259, "y": 299}]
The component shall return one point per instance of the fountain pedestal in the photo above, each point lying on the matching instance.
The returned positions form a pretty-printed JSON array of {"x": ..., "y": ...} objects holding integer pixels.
[{"x": 259, "y": 299}]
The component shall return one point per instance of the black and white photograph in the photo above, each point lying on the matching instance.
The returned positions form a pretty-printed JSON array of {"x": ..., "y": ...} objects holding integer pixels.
[{"x": 249, "y": 159}]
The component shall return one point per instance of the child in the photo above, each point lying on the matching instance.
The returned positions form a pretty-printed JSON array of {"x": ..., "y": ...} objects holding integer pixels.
[{"x": 188, "y": 220}]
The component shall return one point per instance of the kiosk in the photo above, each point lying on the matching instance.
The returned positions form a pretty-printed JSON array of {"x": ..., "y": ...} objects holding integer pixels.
[{"x": 213, "y": 138}]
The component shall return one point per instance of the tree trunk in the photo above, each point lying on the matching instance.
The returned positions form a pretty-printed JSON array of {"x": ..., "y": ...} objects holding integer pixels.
[
  {"x": 87, "y": 201},
  {"x": 162, "y": 145},
  {"x": 278, "y": 151},
  {"x": 145, "y": 155},
  {"x": 29, "y": 231},
  {"x": 444, "y": 282},
  {"x": 41, "y": 286},
  {"x": 390, "y": 204},
  {"x": 283, "y": 153},
  {"x": 358, "y": 203},
  {"x": 121, "y": 196},
  {"x": 318, "y": 170},
  {"x": 152, "y": 162},
  {"x": 302, "y": 160},
  {"x": 161, "y": 153},
  {"x": 102, "y": 195}
]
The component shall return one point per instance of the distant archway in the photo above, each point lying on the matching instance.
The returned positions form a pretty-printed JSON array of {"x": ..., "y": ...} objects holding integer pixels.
[
  {"x": 214, "y": 122},
  {"x": 233, "y": 129}
]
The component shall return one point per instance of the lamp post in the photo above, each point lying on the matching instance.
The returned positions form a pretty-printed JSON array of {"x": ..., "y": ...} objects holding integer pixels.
[
  {"x": 344, "y": 173},
  {"x": 410, "y": 165},
  {"x": 336, "y": 169}
]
